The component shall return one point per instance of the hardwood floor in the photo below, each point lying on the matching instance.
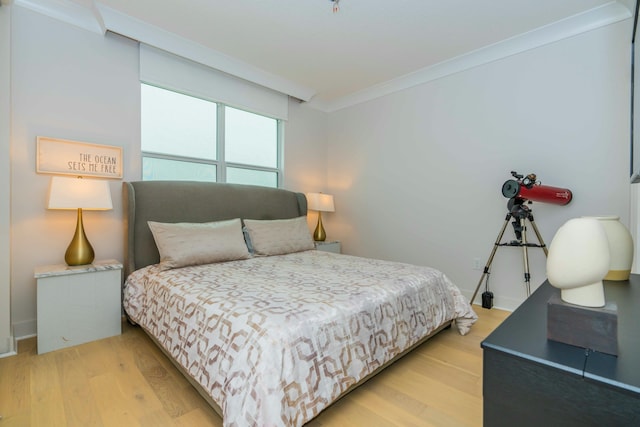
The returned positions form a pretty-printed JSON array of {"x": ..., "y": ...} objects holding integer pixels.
[{"x": 127, "y": 381}]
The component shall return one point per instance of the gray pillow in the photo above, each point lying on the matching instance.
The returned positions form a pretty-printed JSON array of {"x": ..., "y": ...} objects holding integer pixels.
[
  {"x": 280, "y": 236},
  {"x": 183, "y": 244}
]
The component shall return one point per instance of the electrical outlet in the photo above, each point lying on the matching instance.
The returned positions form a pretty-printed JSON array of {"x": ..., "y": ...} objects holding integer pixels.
[{"x": 477, "y": 264}]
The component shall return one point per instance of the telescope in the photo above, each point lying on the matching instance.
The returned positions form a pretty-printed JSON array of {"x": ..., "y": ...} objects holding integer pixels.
[
  {"x": 526, "y": 188},
  {"x": 520, "y": 190}
]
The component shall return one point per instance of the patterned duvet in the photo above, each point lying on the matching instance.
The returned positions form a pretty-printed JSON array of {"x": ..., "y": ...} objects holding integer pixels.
[{"x": 274, "y": 340}]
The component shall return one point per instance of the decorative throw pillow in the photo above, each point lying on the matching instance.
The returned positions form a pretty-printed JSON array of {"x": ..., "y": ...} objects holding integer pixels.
[
  {"x": 247, "y": 239},
  {"x": 183, "y": 244},
  {"x": 280, "y": 236}
]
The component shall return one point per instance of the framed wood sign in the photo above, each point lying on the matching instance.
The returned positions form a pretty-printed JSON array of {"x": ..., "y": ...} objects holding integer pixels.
[{"x": 63, "y": 157}]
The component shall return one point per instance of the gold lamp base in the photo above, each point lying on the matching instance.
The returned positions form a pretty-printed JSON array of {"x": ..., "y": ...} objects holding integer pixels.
[
  {"x": 79, "y": 251},
  {"x": 319, "y": 234}
]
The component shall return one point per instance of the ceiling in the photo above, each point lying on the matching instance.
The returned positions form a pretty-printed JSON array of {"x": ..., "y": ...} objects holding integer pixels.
[{"x": 338, "y": 57}]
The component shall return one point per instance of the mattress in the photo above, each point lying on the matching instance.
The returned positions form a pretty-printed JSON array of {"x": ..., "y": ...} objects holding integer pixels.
[{"x": 275, "y": 340}]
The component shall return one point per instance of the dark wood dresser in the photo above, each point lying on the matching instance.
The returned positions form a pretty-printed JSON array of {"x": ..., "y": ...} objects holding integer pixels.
[{"x": 530, "y": 381}]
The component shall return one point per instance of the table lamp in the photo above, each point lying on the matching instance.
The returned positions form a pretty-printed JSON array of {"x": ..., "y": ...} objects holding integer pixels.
[
  {"x": 322, "y": 203},
  {"x": 578, "y": 261},
  {"x": 79, "y": 193}
]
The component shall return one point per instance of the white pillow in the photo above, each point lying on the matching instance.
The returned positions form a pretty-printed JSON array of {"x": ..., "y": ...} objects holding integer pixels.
[
  {"x": 183, "y": 244},
  {"x": 280, "y": 236}
]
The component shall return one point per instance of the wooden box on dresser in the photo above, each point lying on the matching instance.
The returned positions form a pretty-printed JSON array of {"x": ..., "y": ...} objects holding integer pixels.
[
  {"x": 78, "y": 304},
  {"x": 531, "y": 381}
]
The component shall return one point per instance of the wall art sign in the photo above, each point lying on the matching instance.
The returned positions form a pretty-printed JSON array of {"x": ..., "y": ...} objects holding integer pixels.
[{"x": 60, "y": 156}]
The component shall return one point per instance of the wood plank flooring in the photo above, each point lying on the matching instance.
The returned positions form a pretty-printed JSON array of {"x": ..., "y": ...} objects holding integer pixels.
[{"x": 127, "y": 381}]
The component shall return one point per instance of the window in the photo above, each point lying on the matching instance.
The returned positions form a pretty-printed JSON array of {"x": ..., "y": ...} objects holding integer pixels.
[{"x": 188, "y": 138}]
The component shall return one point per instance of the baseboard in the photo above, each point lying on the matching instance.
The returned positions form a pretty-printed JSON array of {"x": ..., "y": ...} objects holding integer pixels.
[
  {"x": 501, "y": 303},
  {"x": 11, "y": 353},
  {"x": 11, "y": 348},
  {"x": 25, "y": 329}
]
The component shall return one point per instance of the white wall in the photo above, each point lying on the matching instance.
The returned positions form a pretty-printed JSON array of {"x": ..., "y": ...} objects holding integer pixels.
[
  {"x": 73, "y": 84},
  {"x": 6, "y": 340},
  {"x": 418, "y": 174},
  {"x": 305, "y": 148},
  {"x": 306, "y": 152}
]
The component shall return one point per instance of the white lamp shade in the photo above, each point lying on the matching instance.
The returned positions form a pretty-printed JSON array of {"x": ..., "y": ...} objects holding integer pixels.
[
  {"x": 620, "y": 247},
  {"x": 74, "y": 193},
  {"x": 320, "y": 202},
  {"x": 578, "y": 260}
]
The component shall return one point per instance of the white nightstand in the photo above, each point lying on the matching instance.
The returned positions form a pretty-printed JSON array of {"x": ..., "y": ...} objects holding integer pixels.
[
  {"x": 78, "y": 304},
  {"x": 333, "y": 246}
]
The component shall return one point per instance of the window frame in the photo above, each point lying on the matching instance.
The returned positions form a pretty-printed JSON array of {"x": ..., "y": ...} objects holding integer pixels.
[{"x": 220, "y": 162}]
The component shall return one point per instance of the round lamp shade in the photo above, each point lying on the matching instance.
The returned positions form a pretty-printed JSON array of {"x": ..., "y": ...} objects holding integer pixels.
[
  {"x": 620, "y": 248},
  {"x": 578, "y": 260}
]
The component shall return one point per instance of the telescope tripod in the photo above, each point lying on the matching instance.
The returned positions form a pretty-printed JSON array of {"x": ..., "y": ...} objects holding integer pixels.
[{"x": 519, "y": 213}]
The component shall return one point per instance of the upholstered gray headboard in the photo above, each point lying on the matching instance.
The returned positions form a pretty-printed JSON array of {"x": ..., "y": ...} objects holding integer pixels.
[{"x": 187, "y": 201}]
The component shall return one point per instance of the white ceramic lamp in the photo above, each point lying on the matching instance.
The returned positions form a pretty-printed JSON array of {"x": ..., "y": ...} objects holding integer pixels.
[
  {"x": 620, "y": 248},
  {"x": 578, "y": 260}
]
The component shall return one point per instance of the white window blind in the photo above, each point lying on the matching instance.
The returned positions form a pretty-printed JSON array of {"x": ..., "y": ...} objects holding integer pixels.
[{"x": 160, "y": 68}]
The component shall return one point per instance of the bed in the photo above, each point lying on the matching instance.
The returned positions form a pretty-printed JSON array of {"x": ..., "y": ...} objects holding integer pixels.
[{"x": 270, "y": 331}]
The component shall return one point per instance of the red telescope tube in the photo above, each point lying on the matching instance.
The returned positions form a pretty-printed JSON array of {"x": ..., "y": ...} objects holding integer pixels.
[{"x": 537, "y": 193}]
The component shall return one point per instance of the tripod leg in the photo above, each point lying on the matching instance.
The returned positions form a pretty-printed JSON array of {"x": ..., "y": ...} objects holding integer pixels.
[
  {"x": 535, "y": 229},
  {"x": 525, "y": 257},
  {"x": 490, "y": 260}
]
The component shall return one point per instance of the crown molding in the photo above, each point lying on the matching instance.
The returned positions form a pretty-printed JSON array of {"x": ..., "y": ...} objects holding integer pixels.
[
  {"x": 98, "y": 18},
  {"x": 601, "y": 16},
  {"x": 86, "y": 17},
  {"x": 136, "y": 29}
]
